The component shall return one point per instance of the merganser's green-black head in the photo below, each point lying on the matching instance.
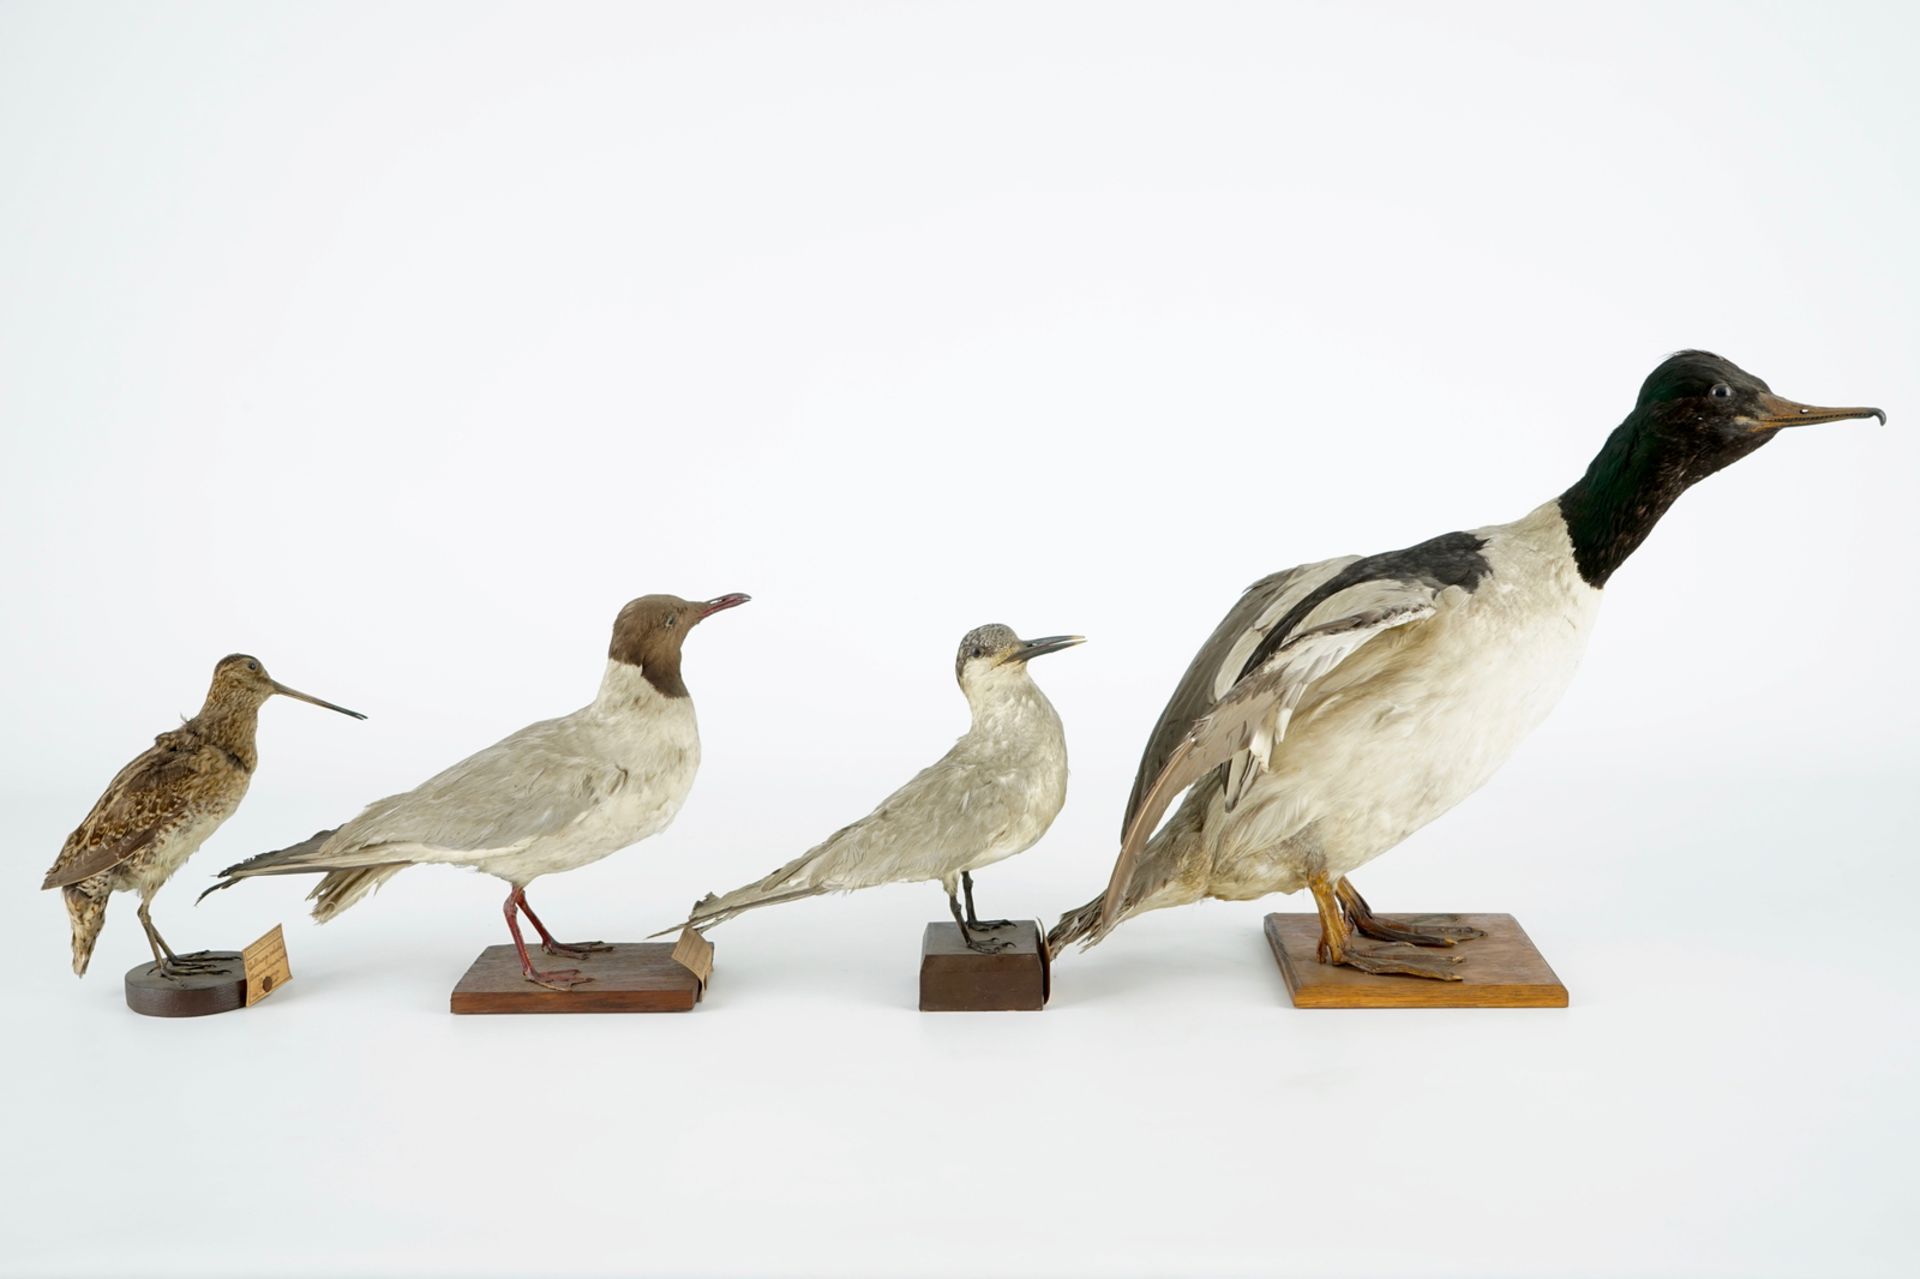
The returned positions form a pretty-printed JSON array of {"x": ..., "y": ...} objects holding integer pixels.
[{"x": 1696, "y": 414}]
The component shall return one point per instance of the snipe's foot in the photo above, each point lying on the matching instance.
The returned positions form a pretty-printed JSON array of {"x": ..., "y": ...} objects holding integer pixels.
[
  {"x": 575, "y": 949},
  {"x": 557, "y": 978},
  {"x": 178, "y": 967},
  {"x": 1394, "y": 959},
  {"x": 1415, "y": 933}
]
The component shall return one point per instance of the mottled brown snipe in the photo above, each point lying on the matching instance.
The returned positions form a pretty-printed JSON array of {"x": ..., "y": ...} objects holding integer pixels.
[{"x": 164, "y": 805}]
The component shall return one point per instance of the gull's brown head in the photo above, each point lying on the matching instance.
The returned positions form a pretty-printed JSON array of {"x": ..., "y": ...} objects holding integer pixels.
[{"x": 650, "y": 630}]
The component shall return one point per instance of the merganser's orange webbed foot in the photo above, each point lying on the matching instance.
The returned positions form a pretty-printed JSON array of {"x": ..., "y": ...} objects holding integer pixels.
[
  {"x": 1362, "y": 920},
  {"x": 1339, "y": 945}
]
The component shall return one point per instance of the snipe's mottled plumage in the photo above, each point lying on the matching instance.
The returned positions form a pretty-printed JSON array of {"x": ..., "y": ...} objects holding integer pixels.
[{"x": 164, "y": 805}]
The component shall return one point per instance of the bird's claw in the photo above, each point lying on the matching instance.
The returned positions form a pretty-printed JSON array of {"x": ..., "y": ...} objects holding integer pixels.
[
  {"x": 575, "y": 949},
  {"x": 561, "y": 979},
  {"x": 1416, "y": 932},
  {"x": 1396, "y": 959},
  {"x": 988, "y": 946},
  {"x": 989, "y": 925}
]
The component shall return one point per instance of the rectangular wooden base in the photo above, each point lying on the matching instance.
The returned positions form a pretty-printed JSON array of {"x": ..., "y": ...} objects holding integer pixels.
[
  {"x": 954, "y": 979},
  {"x": 1500, "y": 970},
  {"x": 633, "y": 977}
]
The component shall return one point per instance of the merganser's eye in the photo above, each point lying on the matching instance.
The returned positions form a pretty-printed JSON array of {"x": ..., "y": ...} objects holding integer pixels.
[{"x": 1721, "y": 391}]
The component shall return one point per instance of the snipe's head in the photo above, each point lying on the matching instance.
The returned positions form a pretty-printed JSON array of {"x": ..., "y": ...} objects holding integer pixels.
[
  {"x": 650, "y": 630},
  {"x": 1702, "y": 413},
  {"x": 992, "y": 651},
  {"x": 241, "y": 679}
]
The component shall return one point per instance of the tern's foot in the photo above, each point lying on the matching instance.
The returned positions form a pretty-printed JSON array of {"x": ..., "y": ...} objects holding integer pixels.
[
  {"x": 556, "y": 978},
  {"x": 989, "y": 925},
  {"x": 575, "y": 949},
  {"x": 1394, "y": 959},
  {"x": 986, "y": 945},
  {"x": 1415, "y": 932}
]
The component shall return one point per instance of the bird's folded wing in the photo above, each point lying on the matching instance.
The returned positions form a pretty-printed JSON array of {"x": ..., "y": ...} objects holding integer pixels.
[
  {"x": 1267, "y": 604},
  {"x": 1254, "y": 713},
  {"x": 147, "y": 798},
  {"x": 534, "y": 783}
]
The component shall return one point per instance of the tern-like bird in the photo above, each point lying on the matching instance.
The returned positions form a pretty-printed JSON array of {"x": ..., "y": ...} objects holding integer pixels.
[
  {"x": 1341, "y": 706},
  {"x": 554, "y": 796},
  {"x": 993, "y": 795},
  {"x": 160, "y": 808}
]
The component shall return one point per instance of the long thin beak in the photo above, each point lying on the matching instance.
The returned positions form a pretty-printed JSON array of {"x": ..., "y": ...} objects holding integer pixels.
[
  {"x": 1030, "y": 649},
  {"x": 721, "y": 604},
  {"x": 297, "y": 695},
  {"x": 1775, "y": 413}
]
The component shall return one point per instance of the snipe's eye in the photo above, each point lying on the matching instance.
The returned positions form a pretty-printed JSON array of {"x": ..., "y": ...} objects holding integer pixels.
[
  {"x": 673, "y": 620},
  {"x": 1721, "y": 391},
  {"x": 253, "y": 666}
]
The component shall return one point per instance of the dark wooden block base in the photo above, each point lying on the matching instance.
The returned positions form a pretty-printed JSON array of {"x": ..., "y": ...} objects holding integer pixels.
[
  {"x": 196, "y": 995},
  {"x": 633, "y": 977},
  {"x": 954, "y": 979},
  {"x": 1500, "y": 970}
]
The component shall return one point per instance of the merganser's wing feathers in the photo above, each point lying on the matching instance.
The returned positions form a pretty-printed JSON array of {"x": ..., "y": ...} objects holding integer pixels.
[
  {"x": 1254, "y": 714},
  {"x": 146, "y": 799},
  {"x": 1222, "y": 660}
]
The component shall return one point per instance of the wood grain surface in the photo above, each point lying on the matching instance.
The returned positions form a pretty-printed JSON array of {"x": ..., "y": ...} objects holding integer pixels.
[{"x": 1500, "y": 970}]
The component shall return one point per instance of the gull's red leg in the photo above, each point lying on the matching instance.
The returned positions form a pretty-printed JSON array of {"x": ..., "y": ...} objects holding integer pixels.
[
  {"x": 556, "y": 979},
  {"x": 573, "y": 950}
]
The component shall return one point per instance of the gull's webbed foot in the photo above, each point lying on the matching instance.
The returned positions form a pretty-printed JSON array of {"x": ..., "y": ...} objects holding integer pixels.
[{"x": 575, "y": 949}]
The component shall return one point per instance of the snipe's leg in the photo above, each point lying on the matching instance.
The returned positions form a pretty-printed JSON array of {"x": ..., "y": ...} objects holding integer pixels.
[
  {"x": 973, "y": 920},
  {"x": 1338, "y": 945},
  {"x": 553, "y": 979},
  {"x": 981, "y": 945},
  {"x": 165, "y": 962},
  {"x": 572, "y": 950},
  {"x": 1367, "y": 924}
]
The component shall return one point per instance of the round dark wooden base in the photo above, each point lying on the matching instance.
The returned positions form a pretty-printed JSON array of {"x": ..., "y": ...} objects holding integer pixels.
[{"x": 220, "y": 991}]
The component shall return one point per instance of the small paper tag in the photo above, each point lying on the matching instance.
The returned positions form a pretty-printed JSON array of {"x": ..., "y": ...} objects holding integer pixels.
[
  {"x": 695, "y": 954},
  {"x": 266, "y": 965}
]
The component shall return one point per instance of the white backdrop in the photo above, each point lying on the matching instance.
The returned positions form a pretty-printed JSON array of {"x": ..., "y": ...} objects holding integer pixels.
[{"x": 400, "y": 345}]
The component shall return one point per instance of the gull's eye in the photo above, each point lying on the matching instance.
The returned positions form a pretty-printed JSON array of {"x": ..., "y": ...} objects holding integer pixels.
[{"x": 1721, "y": 391}]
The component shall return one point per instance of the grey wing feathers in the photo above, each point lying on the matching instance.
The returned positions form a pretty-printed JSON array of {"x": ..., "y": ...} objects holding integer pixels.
[{"x": 1217, "y": 665}]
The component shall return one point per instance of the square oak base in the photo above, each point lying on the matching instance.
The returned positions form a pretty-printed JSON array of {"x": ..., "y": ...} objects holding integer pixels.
[
  {"x": 1500, "y": 970},
  {"x": 633, "y": 977},
  {"x": 954, "y": 979}
]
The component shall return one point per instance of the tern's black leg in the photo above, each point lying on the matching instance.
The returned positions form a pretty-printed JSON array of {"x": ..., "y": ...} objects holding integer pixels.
[
  {"x": 1367, "y": 924},
  {"x": 982, "y": 945},
  {"x": 973, "y": 920}
]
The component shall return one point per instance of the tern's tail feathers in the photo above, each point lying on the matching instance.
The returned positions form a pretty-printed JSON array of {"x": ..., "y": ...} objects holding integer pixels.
[
  {"x": 711, "y": 909},
  {"x": 347, "y": 875},
  {"x": 86, "y": 914}
]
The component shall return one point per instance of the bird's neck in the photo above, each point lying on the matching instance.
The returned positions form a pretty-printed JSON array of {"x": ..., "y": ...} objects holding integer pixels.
[
  {"x": 232, "y": 725},
  {"x": 1627, "y": 488},
  {"x": 1009, "y": 703}
]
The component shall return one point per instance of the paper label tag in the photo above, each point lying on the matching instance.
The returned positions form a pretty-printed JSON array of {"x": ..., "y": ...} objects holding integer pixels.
[
  {"x": 266, "y": 965},
  {"x": 694, "y": 953}
]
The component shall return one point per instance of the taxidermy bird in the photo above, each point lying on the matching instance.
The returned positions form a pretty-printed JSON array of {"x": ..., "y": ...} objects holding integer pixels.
[
  {"x": 554, "y": 796},
  {"x": 1341, "y": 706},
  {"x": 993, "y": 795},
  {"x": 160, "y": 808}
]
